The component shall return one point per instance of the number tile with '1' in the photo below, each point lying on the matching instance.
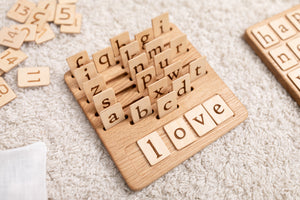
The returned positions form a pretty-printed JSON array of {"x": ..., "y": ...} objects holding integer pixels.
[{"x": 33, "y": 76}]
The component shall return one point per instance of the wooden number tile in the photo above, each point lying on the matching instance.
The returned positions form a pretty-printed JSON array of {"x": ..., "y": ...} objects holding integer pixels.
[
  {"x": 162, "y": 60},
  {"x": 119, "y": 41},
  {"x": 180, "y": 133},
  {"x": 283, "y": 28},
  {"x": 6, "y": 94},
  {"x": 295, "y": 77},
  {"x": 29, "y": 29},
  {"x": 11, "y": 58},
  {"x": 265, "y": 36},
  {"x": 283, "y": 57},
  {"x": 182, "y": 85},
  {"x": 104, "y": 99},
  {"x": 128, "y": 51},
  {"x": 173, "y": 71},
  {"x": 137, "y": 64},
  {"x": 295, "y": 46},
  {"x": 144, "y": 37},
  {"x": 200, "y": 120},
  {"x": 78, "y": 60},
  {"x": 178, "y": 45},
  {"x": 167, "y": 104},
  {"x": 65, "y": 14},
  {"x": 33, "y": 76},
  {"x": 158, "y": 89},
  {"x": 94, "y": 86},
  {"x": 160, "y": 24},
  {"x": 218, "y": 109},
  {"x": 145, "y": 78},
  {"x": 104, "y": 59},
  {"x": 67, "y": 1},
  {"x": 10, "y": 37},
  {"x": 21, "y": 10},
  {"x": 197, "y": 68},
  {"x": 45, "y": 35},
  {"x": 153, "y": 147},
  {"x": 154, "y": 47},
  {"x": 85, "y": 73},
  {"x": 50, "y": 7},
  {"x": 39, "y": 17},
  {"x": 294, "y": 18},
  {"x": 140, "y": 109},
  {"x": 73, "y": 28},
  {"x": 112, "y": 115}
]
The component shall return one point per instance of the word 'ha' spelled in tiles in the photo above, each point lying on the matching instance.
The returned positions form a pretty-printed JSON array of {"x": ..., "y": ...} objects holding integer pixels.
[
  {"x": 33, "y": 76},
  {"x": 6, "y": 93},
  {"x": 277, "y": 42}
]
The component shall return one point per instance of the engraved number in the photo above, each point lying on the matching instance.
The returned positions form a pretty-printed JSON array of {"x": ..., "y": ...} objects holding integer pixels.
[
  {"x": 38, "y": 80},
  {"x": 35, "y": 17},
  {"x": 3, "y": 89},
  {"x": 68, "y": 15},
  {"x": 10, "y": 60},
  {"x": 24, "y": 11},
  {"x": 154, "y": 149}
]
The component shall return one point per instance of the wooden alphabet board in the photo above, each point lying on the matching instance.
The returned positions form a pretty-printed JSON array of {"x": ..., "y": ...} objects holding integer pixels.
[
  {"x": 276, "y": 41},
  {"x": 146, "y": 148}
]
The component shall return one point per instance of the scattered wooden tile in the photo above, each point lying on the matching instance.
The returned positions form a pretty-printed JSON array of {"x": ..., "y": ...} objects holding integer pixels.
[
  {"x": 10, "y": 37},
  {"x": 140, "y": 109},
  {"x": 283, "y": 28},
  {"x": 162, "y": 60},
  {"x": 65, "y": 14},
  {"x": 119, "y": 41},
  {"x": 11, "y": 58},
  {"x": 200, "y": 120},
  {"x": 160, "y": 24},
  {"x": 178, "y": 45},
  {"x": 180, "y": 133},
  {"x": 50, "y": 7},
  {"x": 218, "y": 109},
  {"x": 112, "y": 115},
  {"x": 182, "y": 85},
  {"x": 94, "y": 86},
  {"x": 294, "y": 18},
  {"x": 158, "y": 89},
  {"x": 45, "y": 35},
  {"x": 104, "y": 59},
  {"x": 294, "y": 45},
  {"x": 39, "y": 17},
  {"x": 137, "y": 64},
  {"x": 145, "y": 78},
  {"x": 295, "y": 77},
  {"x": 167, "y": 104},
  {"x": 78, "y": 60},
  {"x": 85, "y": 73},
  {"x": 197, "y": 68},
  {"x": 21, "y": 10},
  {"x": 104, "y": 99},
  {"x": 128, "y": 51},
  {"x": 153, "y": 147},
  {"x": 75, "y": 27},
  {"x": 144, "y": 37},
  {"x": 283, "y": 57},
  {"x": 6, "y": 93},
  {"x": 29, "y": 29},
  {"x": 67, "y": 1},
  {"x": 265, "y": 36},
  {"x": 1, "y": 72},
  {"x": 154, "y": 47},
  {"x": 33, "y": 76},
  {"x": 173, "y": 71}
]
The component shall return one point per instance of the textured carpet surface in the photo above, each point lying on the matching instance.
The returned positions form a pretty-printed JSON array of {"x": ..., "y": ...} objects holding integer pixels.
[{"x": 259, "y": 159}]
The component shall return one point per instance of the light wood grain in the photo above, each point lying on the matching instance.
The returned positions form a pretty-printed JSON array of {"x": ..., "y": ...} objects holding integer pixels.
[
  {"x": 33, "y": 76},
  {"x": 6, "y": 93},
  {"x": 10, "y": 58},
  {"x": 21, "y": 10}
]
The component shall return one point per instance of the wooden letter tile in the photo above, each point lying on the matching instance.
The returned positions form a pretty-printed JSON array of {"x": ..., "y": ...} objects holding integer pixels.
[
  {"x": 39, "y": 17},
  {"x": 140, "y": 109},
  {"x": 283, "y": 28},
  {"x": 50, "y": 7},
  {"x": 200, "y": 120},
  {"x": 265, "y": 36},
  {"x": 33, "y": 76},
  {"x": 162, "y": 60},
  {"x": 45, "y": 35},
  {"x": 145, "y": 78},
  {"x": 294, "y": 17},
  {"x": 78, "y": 60},
  {"x": 73, "y": 28},
  {"x": 137, "y": 64},
  {"x": 283, "y": 57},
  {"x": 144, "y": 37},
  {"x": 153, "y": 147},
  {"x": 119, "y": 41},
  {"x": 21, "y": 10},
  {"x": 182, "y": 85},
  {"x": 94, "y": 86},
  {"x": 173, "y": 71},
  {"x": 160, "y": 24},
  {"x": 104, "y": 99},
  {"x": 85, "y": 73},
  {"x": 295, "y": 77},
  {"x": 178, "y": 45},
  {"x": 65, "y": 14},
  {"x": 11, "y": 58},
  {"x": 295, "y": 46},
  {"x": 218, "y": 109},
  {"x": 158, "y": 89},
  {"x": 180, "y": 133},
  {"x": 29, "y": 29},
  {"x": 167, "y": 104},
  {"x": 128, "y": 52},
  {"x": 112, "y": 115},
  {"x": 6, "y": 94},
  {"x": 154, "y": 47},
  {"x": 10, "y": 37},
  {"x": 198, "y": 68},
  {"x": 104, "y": 59}
]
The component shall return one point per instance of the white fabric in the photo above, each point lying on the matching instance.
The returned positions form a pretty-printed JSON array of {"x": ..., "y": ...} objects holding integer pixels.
[{"x": 23, "y": 173}]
